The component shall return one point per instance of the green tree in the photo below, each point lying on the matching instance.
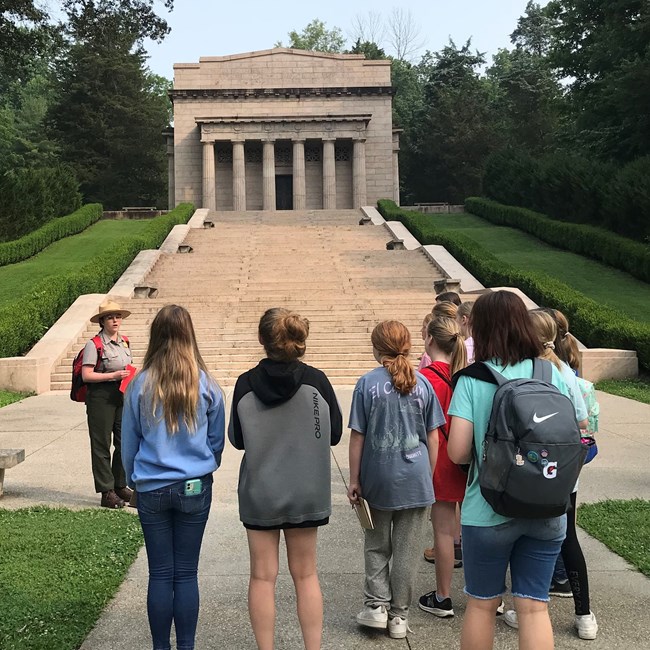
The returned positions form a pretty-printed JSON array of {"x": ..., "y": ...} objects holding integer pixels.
[
  {"x": 457, "y": 130},
  {"x": 369, "y": 49},
  {"x": 603, "y": 48},
  {"x": 109, "y": 117},
  {"x": 23, "y": 36},
  {"x": 527, "y": 97},
  {"x": 533, "y": 31},
  {"x": 316, "y": 37}
]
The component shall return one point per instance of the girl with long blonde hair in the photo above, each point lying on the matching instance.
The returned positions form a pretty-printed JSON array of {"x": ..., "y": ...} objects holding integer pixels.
[
  {"x": 172, "y": 439},
  {"x": 394, "y": 420},
  {"x": 445, "y": 346}
]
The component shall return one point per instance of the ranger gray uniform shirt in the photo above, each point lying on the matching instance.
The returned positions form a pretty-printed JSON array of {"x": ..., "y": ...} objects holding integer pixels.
[{"x": 116, "y": 355}]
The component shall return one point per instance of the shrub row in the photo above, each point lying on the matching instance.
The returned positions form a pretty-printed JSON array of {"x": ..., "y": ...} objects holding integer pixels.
[
  {"x": 31, "y": 197},
  {"x": 23, "y": 322},
  {"x": 28, "y": 245},
  {"x": 593, "y": 323},
  {"x": 591, "y": 241},
  {"x": 569, "y": 187}
]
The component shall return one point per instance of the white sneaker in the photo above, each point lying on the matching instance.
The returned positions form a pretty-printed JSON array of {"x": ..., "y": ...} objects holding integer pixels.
[
  {"x": 510, "y": 618},
  {"x": 376, "y": 617},
  {"x": 587, "y": 626},
  {"x": 398, "y": 627}
]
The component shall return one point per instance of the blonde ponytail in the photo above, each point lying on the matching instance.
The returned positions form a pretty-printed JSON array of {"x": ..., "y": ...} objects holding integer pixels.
[
  {"x": 445, "y": 331},
  {"x": 546, "y": 330}
]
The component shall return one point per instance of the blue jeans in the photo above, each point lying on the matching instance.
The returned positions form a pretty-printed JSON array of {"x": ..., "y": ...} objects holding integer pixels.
[
  {"x": 173, "y": 526},
  {"x": 529, "y": 546}
]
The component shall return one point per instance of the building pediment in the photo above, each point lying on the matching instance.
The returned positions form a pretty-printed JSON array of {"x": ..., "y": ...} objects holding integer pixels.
[{"x": 280, "y": 68}]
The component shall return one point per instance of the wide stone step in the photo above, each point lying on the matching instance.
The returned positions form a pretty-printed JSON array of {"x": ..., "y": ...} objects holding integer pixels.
[{"x": 321, "y": 264}]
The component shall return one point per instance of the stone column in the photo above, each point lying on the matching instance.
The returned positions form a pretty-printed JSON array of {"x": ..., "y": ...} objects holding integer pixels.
[
  {"x": 268, "y": 175},
  {"x": 171, "y": 176},
  {"x": 359, "y": 173},
  {"x": 209, "y": 180},
  {"x": 238, "y": 176},
  {"x": 299, "y": 187},
  {"x": 329, "y": 175},
  {"x": 396, "y": 167}
]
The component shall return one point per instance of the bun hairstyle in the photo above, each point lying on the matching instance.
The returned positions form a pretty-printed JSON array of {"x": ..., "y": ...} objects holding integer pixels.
[
  {"x": 283, "y": 334},
  {"x": 392, "y": 341},
  {"x": 446, "y": 333},
  {"x": 566, "y": 345},
  {"x": 449, "y": 296},
  {"x": 546, "y": 330},
  {"x": 448, "y": 309}
]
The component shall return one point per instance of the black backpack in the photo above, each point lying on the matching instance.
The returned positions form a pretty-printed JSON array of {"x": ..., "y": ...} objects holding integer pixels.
[{"x": 532, "y": 453}]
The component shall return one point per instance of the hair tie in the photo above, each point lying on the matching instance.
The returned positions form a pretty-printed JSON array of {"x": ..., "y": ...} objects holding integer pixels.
[
  {"x": 565, "y": 334},
  {"x": 454, "y": 336},
  {"x": 549, "y": 345}
]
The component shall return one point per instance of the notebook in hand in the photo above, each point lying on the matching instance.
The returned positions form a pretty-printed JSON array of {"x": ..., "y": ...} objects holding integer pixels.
[{"x": 363, "y": 513}]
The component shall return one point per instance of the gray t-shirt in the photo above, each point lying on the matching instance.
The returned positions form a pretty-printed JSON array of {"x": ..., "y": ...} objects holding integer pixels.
[
  {"x": 395, "y": 469},
  {"x": 115, "y": 354}
]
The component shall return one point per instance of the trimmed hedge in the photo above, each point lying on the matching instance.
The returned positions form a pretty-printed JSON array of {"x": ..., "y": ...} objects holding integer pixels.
[
  {"x": 23, "y": 322},
  {"x": 28, "y": 245},
  {"x": 590, "y": 241},
  {"x": 593, "y": 323}
]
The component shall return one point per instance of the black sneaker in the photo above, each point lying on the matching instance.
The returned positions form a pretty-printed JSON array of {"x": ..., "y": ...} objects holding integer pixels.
[
  {"x": 430, "y": 603},
  {"x": 560, "y": 589}
]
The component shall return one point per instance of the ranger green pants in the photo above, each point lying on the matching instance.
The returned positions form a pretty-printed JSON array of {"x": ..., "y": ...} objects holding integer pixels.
[{"x": 104, "y": 403}]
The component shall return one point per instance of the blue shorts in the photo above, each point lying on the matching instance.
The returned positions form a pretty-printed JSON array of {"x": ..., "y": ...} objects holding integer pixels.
[{"x": 529, "y": 546}]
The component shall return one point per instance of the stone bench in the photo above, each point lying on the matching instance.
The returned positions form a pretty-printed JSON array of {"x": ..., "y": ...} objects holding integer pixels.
[{"x": 9, "y": 458}]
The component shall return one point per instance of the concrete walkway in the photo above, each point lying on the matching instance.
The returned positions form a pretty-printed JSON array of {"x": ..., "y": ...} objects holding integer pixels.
[{"x": 56, "y": 472}]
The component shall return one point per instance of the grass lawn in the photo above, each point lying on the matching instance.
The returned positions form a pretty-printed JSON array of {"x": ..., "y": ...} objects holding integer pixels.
[
  {"x": 7, "y": 397},
  {"x": 623, "y": 526},
  {"x": 64, "y": 255},
  {"x": 597, "y": 281},
  {"x": 59, "y": 569},
  {"x": 638, "y": 389}
]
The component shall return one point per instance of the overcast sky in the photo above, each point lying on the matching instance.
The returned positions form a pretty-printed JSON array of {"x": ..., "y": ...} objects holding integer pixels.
[{"x": 215, "y": 28}]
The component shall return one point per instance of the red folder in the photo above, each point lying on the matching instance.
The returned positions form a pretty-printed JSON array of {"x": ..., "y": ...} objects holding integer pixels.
[{"x": 127, "y": 380}]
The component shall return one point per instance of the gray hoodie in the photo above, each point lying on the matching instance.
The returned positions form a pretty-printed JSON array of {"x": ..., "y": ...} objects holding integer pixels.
[{"x": 284, "y": 416}]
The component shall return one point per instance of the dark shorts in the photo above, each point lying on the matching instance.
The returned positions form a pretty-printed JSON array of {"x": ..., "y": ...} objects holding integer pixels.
[{"x": 303, "y": 524}]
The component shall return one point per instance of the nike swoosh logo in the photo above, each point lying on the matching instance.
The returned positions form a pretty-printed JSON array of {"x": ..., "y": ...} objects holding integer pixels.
[{"x": 546, "y": 417}]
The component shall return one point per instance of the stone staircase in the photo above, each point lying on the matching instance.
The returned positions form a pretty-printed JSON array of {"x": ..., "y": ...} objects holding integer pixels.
[{"x": 321, "y": 263}]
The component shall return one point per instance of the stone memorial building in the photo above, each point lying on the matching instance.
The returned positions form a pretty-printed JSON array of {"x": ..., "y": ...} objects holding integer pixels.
[{"x": 282, "y": 129}]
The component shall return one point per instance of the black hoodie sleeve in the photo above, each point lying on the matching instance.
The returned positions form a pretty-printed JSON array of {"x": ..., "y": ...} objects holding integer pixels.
[
  {"x": 335, "y": 415},
  {"x": 235, "y": 434}
]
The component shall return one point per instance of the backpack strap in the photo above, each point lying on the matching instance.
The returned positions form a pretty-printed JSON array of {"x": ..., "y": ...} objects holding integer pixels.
[
  {"x": 437, "y": 372},
  {"x": 542, "y": 370},
  {"x": 499, "y": 379},
  {"x": 442, "y": 427},
  {"x": 477, "y": 370},
  {"x": 97, "y": 340}
]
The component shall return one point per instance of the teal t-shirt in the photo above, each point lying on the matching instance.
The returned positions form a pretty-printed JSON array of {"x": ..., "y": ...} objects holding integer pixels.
[{"x": 472, "y": 400}]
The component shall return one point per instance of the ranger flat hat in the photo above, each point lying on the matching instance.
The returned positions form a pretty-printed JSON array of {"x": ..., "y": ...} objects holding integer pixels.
[{"x": 109, "y": 307}]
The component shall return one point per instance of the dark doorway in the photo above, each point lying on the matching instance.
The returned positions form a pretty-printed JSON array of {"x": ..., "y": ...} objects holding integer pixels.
[{"x": 284, "y": 192}]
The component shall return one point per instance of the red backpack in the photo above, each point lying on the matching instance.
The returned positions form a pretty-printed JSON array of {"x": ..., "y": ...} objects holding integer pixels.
[{"x": 79, "y": 388}]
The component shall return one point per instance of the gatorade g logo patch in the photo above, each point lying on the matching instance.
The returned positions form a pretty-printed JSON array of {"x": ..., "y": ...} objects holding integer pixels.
[{"x": 550, "y": 470}]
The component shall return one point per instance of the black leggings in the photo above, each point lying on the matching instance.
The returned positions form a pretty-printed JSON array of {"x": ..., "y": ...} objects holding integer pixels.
[{"x": 574, "y": 562}]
